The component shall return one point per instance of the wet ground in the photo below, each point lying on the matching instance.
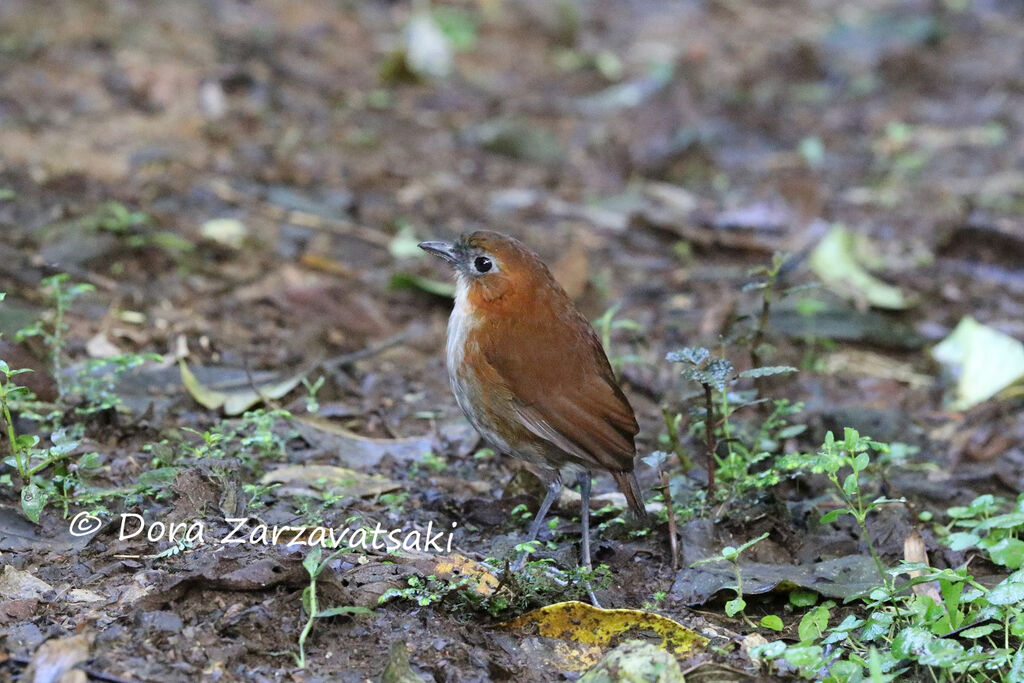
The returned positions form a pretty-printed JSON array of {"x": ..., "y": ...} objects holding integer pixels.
[{"x": 243, "y": 184}]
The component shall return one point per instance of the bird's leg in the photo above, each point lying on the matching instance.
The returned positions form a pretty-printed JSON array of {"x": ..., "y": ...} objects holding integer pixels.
[
  {"x": 584, "y": 479},
  {"x": 554, "y": 488}
]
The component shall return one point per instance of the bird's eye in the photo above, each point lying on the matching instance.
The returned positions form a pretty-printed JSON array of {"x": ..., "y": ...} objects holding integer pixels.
[{"x": 482, "y": 264}]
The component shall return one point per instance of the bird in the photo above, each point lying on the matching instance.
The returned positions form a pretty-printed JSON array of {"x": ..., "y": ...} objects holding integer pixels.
[{"x": 531, "y": 375}]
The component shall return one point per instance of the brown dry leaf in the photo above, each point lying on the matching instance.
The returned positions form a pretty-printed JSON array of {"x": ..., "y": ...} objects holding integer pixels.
[
  {"x": 586, "y": 630},
  {"x": 914, "y": 551},
  {"x": 56, "y": 659},
  {"x": 235, "y": 402},
  {"x": 318, "y": 479},
  {"x": 858, "y": 363},
  {"x": 16, "y": 584}
]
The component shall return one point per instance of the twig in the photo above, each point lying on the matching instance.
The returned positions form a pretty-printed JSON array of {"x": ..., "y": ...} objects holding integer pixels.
[
  {"x": 709, "y": 436},
  {"x": 673, "y": 539},
  {"x": 337, "y": 226},
  {"x": 367, "y": 352}
]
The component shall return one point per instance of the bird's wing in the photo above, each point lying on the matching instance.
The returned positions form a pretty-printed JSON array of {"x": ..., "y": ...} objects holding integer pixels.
[{"x": 580, "y": 408}]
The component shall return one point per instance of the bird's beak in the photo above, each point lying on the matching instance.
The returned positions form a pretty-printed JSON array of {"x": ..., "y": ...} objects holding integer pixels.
[{"x": 445, "y": 250}]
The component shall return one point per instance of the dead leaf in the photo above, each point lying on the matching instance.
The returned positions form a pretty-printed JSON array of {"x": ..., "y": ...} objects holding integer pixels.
[
  {"x": 914, "y": 551},
  {"x": 366, "y": 452},
  {"x": 100, "y": 346},
  {"x": 835, "y": 262},
  {"x": 236, "y": 402},
  {"x": 16, "y": 584},
  {"x": 842, "y": 577},
  {"x": 230, "y": 232},
  {"x": 56, "y": 659},
  {"x": 984, "y": 361},
  {"x": 320, "y": 479}
]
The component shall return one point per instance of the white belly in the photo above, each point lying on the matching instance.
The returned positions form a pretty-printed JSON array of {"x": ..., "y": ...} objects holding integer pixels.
[{"x": 459, "y": 325}]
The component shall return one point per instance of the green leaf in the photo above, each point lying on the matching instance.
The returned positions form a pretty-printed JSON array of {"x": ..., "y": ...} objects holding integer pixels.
[
  {"x": 771, "y": 621},
  {"x": 735, "y": 606},
  {"x": 806, "y": 657},
  {"x": 1008, "y": 552},
  {"x": 813, "y": 624},
  {"x": 158, "y": 477},
  {"x": 89, "y": 461},
  {"x": 307, "y": 599},
  {"x": 4, "y": 368},
  {"x": 850, "y": 484},
  {"x": 791, "y": 431},
  {"x": 24, "y": 442},
  {"x": 312, "y": 561},
  {"x": 833, "y": 515},
  {"x": 1006, "y": 593},
  {"x": 942, "y": 652},
  {"x": 911, "y": 642},
  {"x": 435, "y": 287},
  {"x": 694, "y": 355},
  {"x": 980, "y": 631},
  {"x": 33, "y": 500},
  {"x": 768, "y": 371},
  {"x": 844, "y": 670},
  {"x": 861, "y": 462},
  {"x": 345, "y": 609},
  {"x": 802, "y": 598}
]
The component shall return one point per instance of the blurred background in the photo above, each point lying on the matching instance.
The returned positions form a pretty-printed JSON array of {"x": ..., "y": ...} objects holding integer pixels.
[{"x": 247, "y": 181}]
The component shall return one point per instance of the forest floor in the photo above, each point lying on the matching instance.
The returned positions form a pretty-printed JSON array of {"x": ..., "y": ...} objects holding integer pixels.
[{"x": 241, "y": 185}]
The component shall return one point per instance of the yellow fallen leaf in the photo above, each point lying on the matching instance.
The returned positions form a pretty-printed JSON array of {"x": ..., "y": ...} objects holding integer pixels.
[
  {"x": 835, "y": 262},
  {"x": 235, "y": 402},
  {"x": 984, "y": 360},
  {"x": 589, "y": 626}
]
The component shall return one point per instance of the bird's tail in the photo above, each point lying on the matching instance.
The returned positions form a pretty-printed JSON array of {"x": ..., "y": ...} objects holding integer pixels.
[{"x": 631, "y": 489}]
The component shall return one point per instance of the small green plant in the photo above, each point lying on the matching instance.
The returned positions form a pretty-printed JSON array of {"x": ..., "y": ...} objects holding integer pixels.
[
  {"x": 315, "y": 564},
  {"x": 430, "y": 462},
  {"x": 834, "y": 457},
  {"x": 910, "y": 635},
  {"x": 312, "y": 405},
  {"x": 61, "y": 295},
  {"x": 115, "y": 217},
  {"x": 918, "y": 623},
  {"x": 991, "y": 524},
  {"x": 252, "y": 438},
  {"x": 737, "y": 605},
  {"x": 21, "y": 445},
  {"x": 715, "y": 375},
  {"x": 656, "y": 601},
  {"x": 768, "y": 276},
  {"x": 95, "y": 387},
  {"x": 256, "y": 493}
]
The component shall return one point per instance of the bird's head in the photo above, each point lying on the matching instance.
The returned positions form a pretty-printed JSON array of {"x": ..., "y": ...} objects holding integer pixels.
[{"x": 490, "y": 266}]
